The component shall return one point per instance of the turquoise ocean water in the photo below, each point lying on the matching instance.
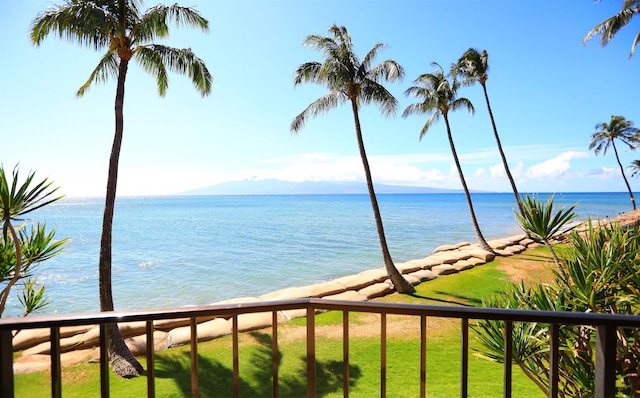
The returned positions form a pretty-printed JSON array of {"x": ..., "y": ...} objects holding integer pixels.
[{"x": 176, "y": 251}]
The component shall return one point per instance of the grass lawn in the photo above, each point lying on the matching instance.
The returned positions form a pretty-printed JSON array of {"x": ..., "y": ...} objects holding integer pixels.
[{"x": 172, "y": 366}]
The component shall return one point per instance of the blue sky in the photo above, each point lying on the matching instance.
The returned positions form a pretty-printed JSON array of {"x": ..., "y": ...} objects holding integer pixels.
[{"x": 547, "y": 90}]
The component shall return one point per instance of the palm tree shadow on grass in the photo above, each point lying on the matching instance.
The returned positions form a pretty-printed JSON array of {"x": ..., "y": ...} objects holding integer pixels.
[
  {"x": 464, "y": 300},
  {"x": 215, "y": 379}
]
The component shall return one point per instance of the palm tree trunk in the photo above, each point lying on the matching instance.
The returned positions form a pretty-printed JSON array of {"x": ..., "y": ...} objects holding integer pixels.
[
  {"x": 633, "y": 200},
  {"x": 401, "y": 284},
  {"x": 502, "y": 155},
  {"x": 481, "y": 241},
  {"x": 123, "y": 363}
]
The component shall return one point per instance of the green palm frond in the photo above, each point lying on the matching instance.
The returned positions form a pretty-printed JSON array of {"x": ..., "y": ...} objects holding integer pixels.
[
  {"x": 611, "y": 26},
  {"x": 155, "y": 58},
  {"x": 620, "y": 129},
  {"x": 154, "y": 23},
  {"x": 107, "y": 68},
  {"x": 323, "y": 104}
]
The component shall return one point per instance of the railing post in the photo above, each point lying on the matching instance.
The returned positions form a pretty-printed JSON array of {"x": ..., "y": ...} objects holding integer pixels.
[
  {"x": 554, "y": 359},
  {"x": 193, "y": 324},
  {"x": 6, "y": 363},
  {"x": 105, "y": 340},
  {"x": 151, "y": 382},
  {"x": 508, "y": 354},
  {"x": 311, "y": 352},
  {"x": 605, "y": 361},
  {"x": 275, "y": 353},
  {"x": 56, "y": 370},
  {"x": 345, "y": 354},
  {"x": 464, "y": 387}
]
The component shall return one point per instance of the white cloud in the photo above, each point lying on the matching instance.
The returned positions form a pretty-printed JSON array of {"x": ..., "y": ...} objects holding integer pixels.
[{"x": 554, "y": 167}]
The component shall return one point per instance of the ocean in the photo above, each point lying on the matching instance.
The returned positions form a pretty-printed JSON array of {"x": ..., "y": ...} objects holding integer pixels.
[{"x": 193, "y": 250}]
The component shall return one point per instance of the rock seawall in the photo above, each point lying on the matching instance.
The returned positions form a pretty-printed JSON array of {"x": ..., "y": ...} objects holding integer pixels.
[{"x": 78, "y": 344}]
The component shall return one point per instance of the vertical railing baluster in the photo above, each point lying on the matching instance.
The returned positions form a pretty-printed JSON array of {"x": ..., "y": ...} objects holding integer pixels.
[
  {"x": 236, "y": 356},
  {"x": 194, "y": 357},
  {"x": 6, "y": 363},
  {"x": 311, "y": 352},
  {"x": 104, "y": 359},
  {"x": 151, "y": 382},
  {"x": 554, "y": 359},
  {"x": 56, "y": 370},
  {"x": 508, "y": 354},
  {"x": 464, "y": 388},
  {"x": 423, "y": 356},
  {"x": 383, "y": 355},
  {"x": 606, "y": 341},
  {"x": 345, "y": 354},
  {"x": 275, "y": 354}
]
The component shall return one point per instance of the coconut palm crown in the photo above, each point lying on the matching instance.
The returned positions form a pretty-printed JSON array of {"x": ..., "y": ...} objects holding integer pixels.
[
  {"x": 473, "y": 67},
  {"x": 606, "y": 135},
  {"x": 354, "y": 81},
  {"x": 126, "y": 33},
  {"x": 438, "y": 97},
  {"x": 608, "y": 28}
]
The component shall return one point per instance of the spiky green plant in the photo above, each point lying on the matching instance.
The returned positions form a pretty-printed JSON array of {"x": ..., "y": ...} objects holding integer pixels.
[
  {"x": 543, "y": 221},
  {"x": 602, "y": 275},
  {"x": 22, "y": 248}
]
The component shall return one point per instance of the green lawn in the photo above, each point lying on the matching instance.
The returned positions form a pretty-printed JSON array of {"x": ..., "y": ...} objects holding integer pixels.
[{"x": 403, "y": 355}]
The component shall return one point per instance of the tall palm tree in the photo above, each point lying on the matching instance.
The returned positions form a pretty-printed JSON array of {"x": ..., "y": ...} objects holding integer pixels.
[
  {"x": 439, "y": 97},
  {"x": 620, "y": 129},
  {"x": 356, "y": 82},
  {"x": 473, "y": 67},
  {"x": 608, "y": 28},
  {"x": 127, "y": 33}
]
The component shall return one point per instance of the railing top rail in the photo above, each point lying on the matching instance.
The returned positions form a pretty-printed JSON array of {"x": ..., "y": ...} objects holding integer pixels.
[{"x": 226, "y": 310}]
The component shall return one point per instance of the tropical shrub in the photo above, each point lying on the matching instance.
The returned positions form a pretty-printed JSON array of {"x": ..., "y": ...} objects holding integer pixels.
[
  {"x": 24, "y": 244},
  {"x": 602, "y": 274}
]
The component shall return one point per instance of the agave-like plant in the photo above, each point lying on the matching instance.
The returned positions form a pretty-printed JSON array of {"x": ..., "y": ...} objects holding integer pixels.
[
  {"x": 21, "y": 248},
  {"x": 543, "y": 222},
  {"x": 602, "y": 275}
]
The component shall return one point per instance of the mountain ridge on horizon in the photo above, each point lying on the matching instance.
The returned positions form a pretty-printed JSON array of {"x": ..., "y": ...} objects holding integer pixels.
[{"x": 280, "y": 187}]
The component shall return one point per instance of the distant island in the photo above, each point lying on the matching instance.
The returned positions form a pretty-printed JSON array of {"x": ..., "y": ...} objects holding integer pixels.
[{"x": 279, "y": 187}]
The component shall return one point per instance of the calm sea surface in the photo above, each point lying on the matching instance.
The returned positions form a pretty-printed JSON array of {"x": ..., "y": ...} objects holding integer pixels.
[{"x": 177, "y": 251}]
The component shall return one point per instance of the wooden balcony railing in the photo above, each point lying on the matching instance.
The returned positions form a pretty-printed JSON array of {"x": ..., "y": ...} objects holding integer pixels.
[{"x": 605, "y": 325}]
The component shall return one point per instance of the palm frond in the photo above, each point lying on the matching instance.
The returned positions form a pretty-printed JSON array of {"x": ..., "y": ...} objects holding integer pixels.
[
  {"x": 154, "y": 22},
  {"x": 86, "y": 23},
  {"x": 179, "y": 60},
  {"x": 322, "y": 105},
  {"x": 107, "y": 67},
  {"x": 309, "y": 72}
]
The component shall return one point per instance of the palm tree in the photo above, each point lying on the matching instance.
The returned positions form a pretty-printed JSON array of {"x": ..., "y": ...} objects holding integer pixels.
[
  {"x": 473, "y": 67},
  {"x": 350, "y": 80},
  {"x": 611, "y": 26},
  {"x": 620, "y": 129},
  {"x": 438, "y": 97},
  {"x": 127, "y": 33}
]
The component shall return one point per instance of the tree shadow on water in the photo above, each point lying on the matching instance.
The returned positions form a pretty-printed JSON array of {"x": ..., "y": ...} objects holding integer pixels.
[{"x": 215, "y": 379}]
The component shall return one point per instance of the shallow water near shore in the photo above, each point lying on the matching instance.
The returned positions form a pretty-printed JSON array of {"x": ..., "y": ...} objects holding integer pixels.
[{"x": 175, "y": 251}]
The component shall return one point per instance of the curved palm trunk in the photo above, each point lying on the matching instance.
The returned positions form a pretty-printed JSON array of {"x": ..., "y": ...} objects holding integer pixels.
[
  {"x": 502, "y": 155},
  {"x": 481, "y": 241},
  {"x": 633, "y": 200},
  {"x": 401, "y": 284},
  {"x": 123, "y": 362}
]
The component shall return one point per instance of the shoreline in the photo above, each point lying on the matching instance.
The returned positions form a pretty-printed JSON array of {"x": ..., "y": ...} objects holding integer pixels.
[{"x": 76, "y": 342}]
